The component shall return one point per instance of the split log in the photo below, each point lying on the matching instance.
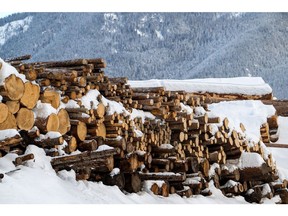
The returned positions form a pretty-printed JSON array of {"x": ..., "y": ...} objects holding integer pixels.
[
  {"x": 31, "y": 95},
  {"x": 71, "y": 144},
  {"x": 50, "y": 123},
  {"x": 51, "y": 96},
  {"x": 187, "y": 192},
  {"x": 20, "y": 160},
  {"x": 9, "y": 123},
  {"x": 13, "y": 107},
  {"x": 4, "y": 111},
  {"x": 64, "y": 122},
  {"x": 25, "y": 119},
  {"x": 13, "y": 88}
]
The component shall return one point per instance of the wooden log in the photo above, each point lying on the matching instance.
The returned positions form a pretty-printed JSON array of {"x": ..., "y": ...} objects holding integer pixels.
[
  {"x": 20, "y": 160},
  {"x": 129, "y": 164},
  {"x": 88, "y": 145},
  {"x": 9, "y": 123},
  {"x": 51, "y": 123},
  {"x": 13, "y": 107},
  {"x": 118, "y": 180},
  {"x": 10, "y": 141},
  {"x": 253, "y": 195},
  {"x": 119, "y": 143},
  {"x": 18, "y": 58},
  {"x": 51, "y": 96},
  {"x": 71, "y": 144},
  {"x": 48, "y": 142},
  {"x": 154, "y": 188},
  {"x": 4, "y": 111},
  {"x": 78, "y": 159},
  {"x": 13, "y": 87},
  {"x": 78, "y": 130},
  {"x": 255, "y": 173},
  {"x": 166, "y": 176},
  {"x": 31, "y": 95},
  {"x": 132, "y": 182},
  {"x": 64, "y": 121},
  {"x": 187, "y": 192},
  {"x": 25, "y": 119},
  {"x": 57, "y": 64}
]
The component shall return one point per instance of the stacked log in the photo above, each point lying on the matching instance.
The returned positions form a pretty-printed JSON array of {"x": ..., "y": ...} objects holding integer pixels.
[{"x": 180, "y": 144}]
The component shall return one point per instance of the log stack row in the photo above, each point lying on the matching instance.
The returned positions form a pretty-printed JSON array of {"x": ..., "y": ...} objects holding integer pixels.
[{"x": 182, "y": 145}]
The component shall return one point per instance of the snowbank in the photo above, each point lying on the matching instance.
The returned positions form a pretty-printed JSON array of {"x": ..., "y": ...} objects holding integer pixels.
[{"x": 238, "y": 85}]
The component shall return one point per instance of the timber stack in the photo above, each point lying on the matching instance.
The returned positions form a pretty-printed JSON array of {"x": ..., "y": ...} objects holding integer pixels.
[{"x": 135, "y": 138}]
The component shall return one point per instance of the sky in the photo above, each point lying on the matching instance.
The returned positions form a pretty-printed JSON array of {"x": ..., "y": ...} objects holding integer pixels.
[
  {"x": 145, "y": 6},
  {"x": 4, "y": 14}
]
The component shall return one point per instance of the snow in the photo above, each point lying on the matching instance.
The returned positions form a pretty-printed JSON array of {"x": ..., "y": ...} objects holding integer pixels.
[
  {"x": 166, "y": 146},
  {"x": 249, "y": 112},
  {"x": 50, "y": 135},
  {"x": 238, "y": 85},
  {"x": 250, "y": 159},
  {"x": 6, "y": 70},
  {"x": 13, "y": 28},
  {"x": 141, "y": 114},
  {"x": 186, "y": 108},
  {"x": 103, "y": 148},
  {"x": 43, "y": 110},
  {"x": 89, "y": 100},
  {"x": 8, "y": 133},
  {"x": 114, "y": 172},
  {"x": 159, "y": 35}
]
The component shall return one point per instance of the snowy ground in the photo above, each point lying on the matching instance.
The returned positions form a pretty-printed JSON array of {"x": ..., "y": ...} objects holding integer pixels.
[{"x": 36, "y": 182}]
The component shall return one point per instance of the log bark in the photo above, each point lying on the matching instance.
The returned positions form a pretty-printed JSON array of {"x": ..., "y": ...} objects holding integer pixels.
[
  {"x": 31, "y": 95},
  {"x": 20, "y": 160},
  {"x": 49, "y": 142},
  {"x": 66, "y": 161},
  {"x": 118, "y": 180},
  {"x": 171, "y": 177},
  {"x": 25, "y": 119},
  {"x": 132, "y": 182},
  {"x": 88, "y": 145}
]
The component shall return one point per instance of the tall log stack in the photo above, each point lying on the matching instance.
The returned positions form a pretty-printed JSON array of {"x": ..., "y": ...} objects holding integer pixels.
[{"x": 73, "y": 107}]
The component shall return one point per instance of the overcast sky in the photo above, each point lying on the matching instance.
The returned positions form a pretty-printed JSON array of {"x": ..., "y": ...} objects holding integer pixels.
[{"x": 4, "y": 14}]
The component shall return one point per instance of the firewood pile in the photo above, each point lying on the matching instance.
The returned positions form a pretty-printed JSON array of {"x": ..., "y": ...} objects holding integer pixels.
[{"x": 134, "y": 138}]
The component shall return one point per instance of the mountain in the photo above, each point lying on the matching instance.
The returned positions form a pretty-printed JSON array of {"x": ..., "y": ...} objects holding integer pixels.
[{"x": 158, "y": 45}]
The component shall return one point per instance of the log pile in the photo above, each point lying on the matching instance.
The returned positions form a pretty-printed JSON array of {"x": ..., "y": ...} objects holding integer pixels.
[{"x": 72, "y": 108}]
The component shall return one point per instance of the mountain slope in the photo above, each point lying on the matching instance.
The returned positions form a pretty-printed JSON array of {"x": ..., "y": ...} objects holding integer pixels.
[{"x": 160, "y": 45}]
